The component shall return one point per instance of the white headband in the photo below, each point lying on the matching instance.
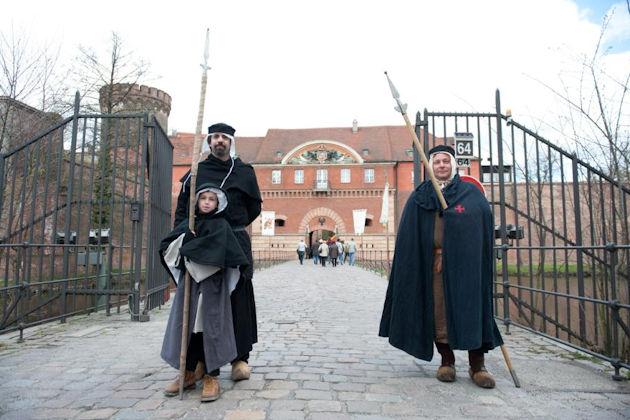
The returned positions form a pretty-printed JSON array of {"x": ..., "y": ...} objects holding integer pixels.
[{"x": 205, "y": 147}]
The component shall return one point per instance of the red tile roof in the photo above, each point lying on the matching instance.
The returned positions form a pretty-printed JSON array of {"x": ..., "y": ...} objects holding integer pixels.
[{"x": 384, "y": 143}]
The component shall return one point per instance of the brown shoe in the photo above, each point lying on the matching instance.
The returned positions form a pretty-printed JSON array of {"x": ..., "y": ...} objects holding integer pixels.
[
  {"x": 189, "y": 382},
  {"x": 240, "y": 370},
  {"x": 200, "y": 370},
  {"x": 446, "y": 374},
  {"x": 482, "y": 378},
  {"x": 210, "y": 388}
]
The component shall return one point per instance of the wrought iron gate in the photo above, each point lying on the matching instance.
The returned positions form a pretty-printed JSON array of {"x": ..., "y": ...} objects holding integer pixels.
[
  {"x": 562, "y": 267},
  {"x": 83, "y": 206}
]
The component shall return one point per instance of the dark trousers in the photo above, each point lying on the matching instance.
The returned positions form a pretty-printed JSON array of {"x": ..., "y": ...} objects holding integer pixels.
[{"x": 195, "y": 354}]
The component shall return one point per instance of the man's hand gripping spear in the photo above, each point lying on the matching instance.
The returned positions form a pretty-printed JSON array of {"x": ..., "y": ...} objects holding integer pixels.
[{"x": 402, "y": 108}]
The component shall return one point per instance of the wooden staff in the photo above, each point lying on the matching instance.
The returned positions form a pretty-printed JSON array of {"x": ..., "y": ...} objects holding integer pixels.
[
  {"x": 402, "y": 108},
  {"x": 191, "y": 213}
]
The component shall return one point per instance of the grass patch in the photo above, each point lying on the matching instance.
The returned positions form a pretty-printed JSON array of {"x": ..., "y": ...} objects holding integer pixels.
[{"x": 524, "y": 269}]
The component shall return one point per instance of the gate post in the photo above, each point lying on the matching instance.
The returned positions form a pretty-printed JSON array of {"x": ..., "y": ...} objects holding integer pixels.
[
  {"x": 578, "y": 244},
  {"x": 2, "y": 158},
  {"x": 504, "y": 243},
  {"x": 136, "y": 314},
  {"x": 67, "y": 238}
]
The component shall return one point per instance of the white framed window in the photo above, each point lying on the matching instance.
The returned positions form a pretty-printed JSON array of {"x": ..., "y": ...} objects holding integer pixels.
[
  {"x": 368, "y": 176},
  {"x": 322, "y": 178},
  {"x": 345, "y": 176},
  {"x": 298, "y": 176},
  {"x": 276, "y": 176}
]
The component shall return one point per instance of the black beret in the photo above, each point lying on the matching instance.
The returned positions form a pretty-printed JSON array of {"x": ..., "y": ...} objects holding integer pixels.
[
  {"x": 221, "y": 128},
  {"x": 442, "y": 148}
]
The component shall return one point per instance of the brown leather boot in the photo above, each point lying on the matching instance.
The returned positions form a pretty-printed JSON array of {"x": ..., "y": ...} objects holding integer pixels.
[
  {"x": 189, "y": 382},
  {"x": 200, "y": 370},
  {"x": 478, "y": 373},
  {"x": 446, "y": 371},
  {"x": 240, "y": 370},
  {"x": 210, "y": 388}
]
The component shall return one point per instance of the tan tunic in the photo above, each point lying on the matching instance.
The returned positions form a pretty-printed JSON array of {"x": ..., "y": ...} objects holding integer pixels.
[{"x": 439, "y": 306}]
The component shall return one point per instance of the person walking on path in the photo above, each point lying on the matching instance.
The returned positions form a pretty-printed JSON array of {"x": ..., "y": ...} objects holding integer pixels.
[
  {"x": 333, "y": 253},
  {"x": 301, "y": 249},
  {"x": 315, "y": 250},
  {"x": 238, "y": 180},
  {"x": 323, "y": 252},
  {"x": 340, "y": 248},
  {"x": 440, "y": 287},
  {"x": 352, "y": 248},
  {"x": 211, "y": 254}
]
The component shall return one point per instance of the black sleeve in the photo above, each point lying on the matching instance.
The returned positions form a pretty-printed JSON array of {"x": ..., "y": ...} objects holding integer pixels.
[
  {"x": 253, "y": 210},
  {"x": 254, "y": 205},
  {"x": 181, "y": 212}
]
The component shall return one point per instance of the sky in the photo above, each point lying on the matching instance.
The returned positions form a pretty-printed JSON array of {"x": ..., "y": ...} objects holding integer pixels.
[{"x": 308, "y": 64}]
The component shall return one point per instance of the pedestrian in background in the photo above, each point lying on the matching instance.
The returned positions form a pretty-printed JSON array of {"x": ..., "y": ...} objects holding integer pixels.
[
  {"x": 351, "y": 249},
  {"x": 333, "y": 252},
  {"x": 301, "y": 250},
  {"x": 315, "y": 249},
  {"x": 340, "y": 248},
  {"x": 323, "y": 252}
]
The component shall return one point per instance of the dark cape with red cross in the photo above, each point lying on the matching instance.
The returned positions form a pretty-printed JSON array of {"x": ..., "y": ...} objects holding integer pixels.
[{"x": 467, "y": 272}]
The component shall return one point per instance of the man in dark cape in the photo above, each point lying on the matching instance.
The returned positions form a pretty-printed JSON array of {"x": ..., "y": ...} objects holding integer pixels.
[
  {"x": 238, "y": 179},
  {"x": 212, "y": 255},
  {"x": 464, "y": 273}
]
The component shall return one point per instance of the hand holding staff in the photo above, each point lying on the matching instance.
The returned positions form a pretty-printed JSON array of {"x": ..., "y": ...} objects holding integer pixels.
[{"x": 402, "y": 108}]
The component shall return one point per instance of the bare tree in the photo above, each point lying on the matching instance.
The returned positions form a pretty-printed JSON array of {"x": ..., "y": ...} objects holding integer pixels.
[
  {"x": 28, "y": 75},
  {"x": 97, "y": 75},
  {"x": 597, "y": 122},
  {"x": 105, "y": 81},
  {"x": 596, "y": 119}
]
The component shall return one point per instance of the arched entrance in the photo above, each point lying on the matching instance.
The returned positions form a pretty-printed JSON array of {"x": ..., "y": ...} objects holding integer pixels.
[{"x": 321, "y": 223}]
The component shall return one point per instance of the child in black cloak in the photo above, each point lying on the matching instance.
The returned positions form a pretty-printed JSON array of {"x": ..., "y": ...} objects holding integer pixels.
[{"x": 211, "y": 254}]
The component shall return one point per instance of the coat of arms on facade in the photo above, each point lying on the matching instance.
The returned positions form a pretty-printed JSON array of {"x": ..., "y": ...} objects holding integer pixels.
[{"x": 321, "y": 154}]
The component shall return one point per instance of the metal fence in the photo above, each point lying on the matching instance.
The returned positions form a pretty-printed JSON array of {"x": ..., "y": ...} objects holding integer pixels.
[
  {"x": 269, "y": 258},
  {"x": 81, "y": 204}
]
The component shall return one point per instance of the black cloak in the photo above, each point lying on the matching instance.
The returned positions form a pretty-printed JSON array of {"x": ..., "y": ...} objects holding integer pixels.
[
  {"x": 467, "y": 273},
  {"x": 213, "y": 244},
  {"x": 244, "y": 206},
  {"x": 241, "y": 187}
]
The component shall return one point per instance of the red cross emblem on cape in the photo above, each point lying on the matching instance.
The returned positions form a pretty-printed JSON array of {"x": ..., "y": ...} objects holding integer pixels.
[{"x": 460, "y": 208}]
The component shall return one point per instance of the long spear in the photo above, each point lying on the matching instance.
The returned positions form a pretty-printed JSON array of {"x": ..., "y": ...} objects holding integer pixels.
[
  {"x": 191, "y": 211},
  {"x": 402, "y": 108}
]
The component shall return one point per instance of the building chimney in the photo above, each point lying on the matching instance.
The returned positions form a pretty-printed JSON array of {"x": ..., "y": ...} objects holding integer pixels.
[{"x": 355, "y": 126}]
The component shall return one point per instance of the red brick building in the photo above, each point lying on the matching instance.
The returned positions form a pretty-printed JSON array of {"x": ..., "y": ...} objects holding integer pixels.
[{"x": 313, "y": 179}]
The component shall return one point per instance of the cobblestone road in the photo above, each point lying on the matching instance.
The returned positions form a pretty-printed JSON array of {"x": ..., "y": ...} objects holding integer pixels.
[{"x": 318, "y": 357}]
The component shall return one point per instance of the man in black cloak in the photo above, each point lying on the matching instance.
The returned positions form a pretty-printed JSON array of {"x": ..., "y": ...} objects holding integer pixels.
[
  {"x": 212, "y": 255},
  {"x": 238, "y": 179},
  {"x": 440, "y": 287}
]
